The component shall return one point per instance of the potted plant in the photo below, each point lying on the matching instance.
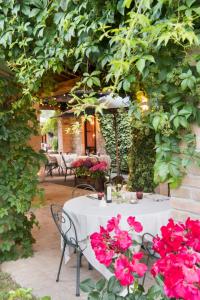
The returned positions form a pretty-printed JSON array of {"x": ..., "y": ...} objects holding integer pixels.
[
  {"x": 91, "y": 171},
  {"x": 98, "y": 171}
]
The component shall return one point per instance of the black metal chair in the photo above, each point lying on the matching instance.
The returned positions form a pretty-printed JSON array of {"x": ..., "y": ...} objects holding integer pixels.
[
  {"x": 67, "y": 170},
  {"x": 68, "y": 232},
  {"x": 82, "y": 186},
  {"x": 147, "y": 246},
  {"x": 51, "y": 165}
]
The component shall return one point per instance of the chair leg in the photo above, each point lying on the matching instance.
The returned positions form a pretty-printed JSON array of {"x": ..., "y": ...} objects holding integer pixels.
[
  {"x": 62, "y": 256},
  {"x": 147, "y": 263},
  {"x": 78, "y": 273}
]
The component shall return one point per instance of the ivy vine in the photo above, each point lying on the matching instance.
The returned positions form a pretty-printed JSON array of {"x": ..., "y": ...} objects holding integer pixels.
[{"x": 124, "y": 137}]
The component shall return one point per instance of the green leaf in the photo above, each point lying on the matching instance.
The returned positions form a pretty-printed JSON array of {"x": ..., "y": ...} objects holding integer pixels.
[
  {"x": 94, "y": 295},
  {"x": 156, "y": 122},
  {"x": 127, "y": 3},
  {"x": 126, "y": 85},
  {"x": 108, "y": 296},
  {"x": 176, "y": 122},
  {"x": 183, "y": 122},
  {"x": 101, "y": 284},
  {"x": 140, "y": 64},
  {"x": 87, "y": 285},
  {"x": 198, "y": 67},
  {"x": 163, "y": 170},
  {"x": 114, "y": 285},
  {"x": 64, "y": 4}
]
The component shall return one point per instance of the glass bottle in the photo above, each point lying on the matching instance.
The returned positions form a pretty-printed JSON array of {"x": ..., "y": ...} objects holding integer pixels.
[{"x": 108, "y": 191}]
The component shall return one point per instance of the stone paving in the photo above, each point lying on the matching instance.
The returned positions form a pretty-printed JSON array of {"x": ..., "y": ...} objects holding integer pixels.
[{"x": 39, "y": 272}]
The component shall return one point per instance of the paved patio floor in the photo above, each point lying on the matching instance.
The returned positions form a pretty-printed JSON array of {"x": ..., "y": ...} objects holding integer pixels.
[{"x": 39, "y": 272}]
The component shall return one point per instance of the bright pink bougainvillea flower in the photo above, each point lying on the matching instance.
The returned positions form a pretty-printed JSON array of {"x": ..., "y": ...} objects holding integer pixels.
[
  {"x": 113, "y": 247},
  {"x": 179, "y": 263}
]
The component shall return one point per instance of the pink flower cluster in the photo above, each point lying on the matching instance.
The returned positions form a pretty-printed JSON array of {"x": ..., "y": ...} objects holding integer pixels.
[
  {"x": 90, "y": 164},
  {"x": 99, "y": 167},
  {"x": 87, "y": 163},
  {"x": 113, "y": 247},
  {"x": 179, "y": 263}
]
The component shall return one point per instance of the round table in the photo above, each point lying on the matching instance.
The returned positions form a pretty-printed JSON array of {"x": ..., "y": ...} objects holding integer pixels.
[{"x": 88, "y": 215}]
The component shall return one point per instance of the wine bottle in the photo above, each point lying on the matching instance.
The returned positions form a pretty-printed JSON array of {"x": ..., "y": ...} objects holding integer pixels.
[{"x": 108, "y": 191}]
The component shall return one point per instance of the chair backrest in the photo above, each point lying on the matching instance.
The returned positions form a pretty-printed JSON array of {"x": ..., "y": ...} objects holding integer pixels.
[
  {"x": 79, "y": 189},
  {"x": 65, "y": 225},
  {"x": 147, "y": 244},
  {"x": 63, "y": 159}
]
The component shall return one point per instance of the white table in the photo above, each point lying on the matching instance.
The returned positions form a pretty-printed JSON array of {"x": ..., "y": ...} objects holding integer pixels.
[{"x": 88, "y": 216}]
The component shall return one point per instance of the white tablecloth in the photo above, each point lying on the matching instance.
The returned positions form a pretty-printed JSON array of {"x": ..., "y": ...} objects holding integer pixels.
[{"x": 88, "y": 216}]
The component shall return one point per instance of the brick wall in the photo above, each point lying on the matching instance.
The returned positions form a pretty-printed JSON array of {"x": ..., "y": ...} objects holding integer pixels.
[{"x": 186, "y": 199}]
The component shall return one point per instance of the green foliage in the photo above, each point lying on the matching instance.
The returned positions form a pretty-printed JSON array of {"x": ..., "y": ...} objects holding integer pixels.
[
  {"x": 51, "y": 125},
  {"x": 111, "y": 289},
  {"x": 124, "y": 46},
  {"x": 18, "y": 172},
  {"x": 142, "y": 158},
  {"x": 124, "y": 137}
]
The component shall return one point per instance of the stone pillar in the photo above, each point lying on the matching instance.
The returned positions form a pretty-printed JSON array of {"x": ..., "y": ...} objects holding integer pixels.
[
  {"x": 185, "y": 200},
  {"x": 67, "y": 140}
]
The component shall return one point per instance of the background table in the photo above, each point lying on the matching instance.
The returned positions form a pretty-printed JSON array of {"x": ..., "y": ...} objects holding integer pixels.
[{"x": 88, "y": 215}]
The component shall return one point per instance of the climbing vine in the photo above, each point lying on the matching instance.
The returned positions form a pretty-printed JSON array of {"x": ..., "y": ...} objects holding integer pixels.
[
  {"x": 18, "y": 172},
  {"x": 142, "y": 157},
  {"x": 124, "y": 137}
]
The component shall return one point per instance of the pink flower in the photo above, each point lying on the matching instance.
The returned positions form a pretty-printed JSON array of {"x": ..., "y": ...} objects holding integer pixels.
[
  {"x": 179, "y": 264},
  {"x": 123, "y": 240},
  {"x": 104, "y": 256},
  {"x": 123, "y": 271},
  {"x": 100, "y": 166},
  {"x": 136, "y": 225},
  {"x": 113, "y": 223}
]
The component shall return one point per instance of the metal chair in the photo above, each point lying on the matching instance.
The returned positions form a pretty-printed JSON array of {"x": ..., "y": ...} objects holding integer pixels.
[
  {"x": 68, "y": 232},
  {"x": 147, "y": 246},
  {"x": 67, "y": 170},
  {"x": 51, "y": 165},
  {"x": 82, "y": 186}
]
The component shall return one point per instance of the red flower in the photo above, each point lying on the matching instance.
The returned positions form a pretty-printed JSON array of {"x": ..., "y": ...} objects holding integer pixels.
[
  {"x": 179, "y": 265},
  {"x": 113, "y": 223},
  {"x": 136, "y": 225},
  {"x": 123, "y": 271}
]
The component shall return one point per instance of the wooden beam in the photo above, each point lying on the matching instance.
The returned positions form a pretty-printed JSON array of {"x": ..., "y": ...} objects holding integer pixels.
[{"x": 61, "y": 88}]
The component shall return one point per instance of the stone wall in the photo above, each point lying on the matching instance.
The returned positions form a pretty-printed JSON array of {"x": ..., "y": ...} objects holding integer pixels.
[{"x": 185, "y": 200}]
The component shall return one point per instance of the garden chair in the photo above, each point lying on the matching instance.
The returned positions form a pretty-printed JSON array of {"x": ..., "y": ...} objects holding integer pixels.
[
  {"x": 67, "y": 170},
  {"x": 70, "y": 238},
  {"x": 51, "y": 165},
  {"x": 147, "y": 246},
  {"x": 78, "y": 189}
]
